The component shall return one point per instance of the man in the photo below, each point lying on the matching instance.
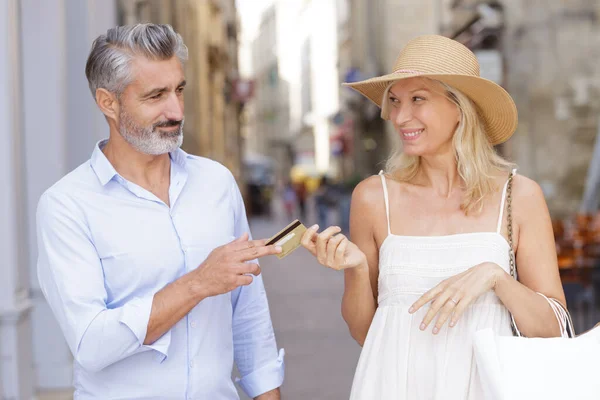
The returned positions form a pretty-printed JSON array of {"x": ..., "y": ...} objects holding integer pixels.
[{"x": 144, "y": 250}]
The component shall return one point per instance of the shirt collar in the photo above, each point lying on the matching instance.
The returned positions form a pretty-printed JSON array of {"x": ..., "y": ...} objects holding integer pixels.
[
  {"x": 106, "y": 172},
  {"x": 179, "y": 157},
  {"x": 100, "y": 164}
]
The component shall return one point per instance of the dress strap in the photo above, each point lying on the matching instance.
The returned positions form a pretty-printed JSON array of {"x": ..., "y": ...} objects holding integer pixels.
[
  {"x": 499, "y": 227},
  {"x": 387, "y": 203}
]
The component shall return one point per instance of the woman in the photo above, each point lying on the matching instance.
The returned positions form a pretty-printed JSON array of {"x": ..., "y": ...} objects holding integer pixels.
[{"x": 428, "y": 264}]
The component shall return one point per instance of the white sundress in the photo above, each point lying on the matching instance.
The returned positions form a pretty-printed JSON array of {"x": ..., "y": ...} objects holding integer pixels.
[{"x": 398, "y": 360}]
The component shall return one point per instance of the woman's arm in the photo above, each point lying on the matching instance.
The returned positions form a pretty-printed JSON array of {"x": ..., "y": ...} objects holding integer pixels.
[
  {"x": 537, "y": 265},
  {"x": 360, "y": 293},
  {"x": 537, "y": 269}
]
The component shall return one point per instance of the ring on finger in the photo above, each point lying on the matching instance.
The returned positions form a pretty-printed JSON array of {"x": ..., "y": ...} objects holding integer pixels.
[{"x": 454, "y": 301}]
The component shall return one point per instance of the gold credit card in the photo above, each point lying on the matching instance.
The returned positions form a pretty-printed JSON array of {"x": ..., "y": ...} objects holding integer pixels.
[{"x": 288, "y": 238}]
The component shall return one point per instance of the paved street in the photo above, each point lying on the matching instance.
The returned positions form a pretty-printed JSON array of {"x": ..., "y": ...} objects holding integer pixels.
[{"x": 305, "y": 300}]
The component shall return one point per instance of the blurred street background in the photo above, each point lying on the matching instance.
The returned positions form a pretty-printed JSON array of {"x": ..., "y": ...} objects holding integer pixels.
[{"x": 264, "y": 97}]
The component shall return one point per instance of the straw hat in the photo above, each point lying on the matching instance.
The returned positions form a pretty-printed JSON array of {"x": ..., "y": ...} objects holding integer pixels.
[{"x": 446, "y": 60}]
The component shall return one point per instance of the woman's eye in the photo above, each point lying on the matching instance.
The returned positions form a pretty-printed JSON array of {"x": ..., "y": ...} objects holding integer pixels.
[{"x": 418, "y": 98}]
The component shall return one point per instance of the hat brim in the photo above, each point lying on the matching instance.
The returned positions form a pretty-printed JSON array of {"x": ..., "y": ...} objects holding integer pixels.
[{"x": 496, "y": 108}]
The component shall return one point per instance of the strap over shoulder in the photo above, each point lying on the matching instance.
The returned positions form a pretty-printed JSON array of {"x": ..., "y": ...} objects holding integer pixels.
[
  {"x": 503, "y": 201},
  {"x": 386, "y": 199}
]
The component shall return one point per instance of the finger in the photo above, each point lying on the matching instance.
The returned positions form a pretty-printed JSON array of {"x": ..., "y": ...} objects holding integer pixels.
[
  {"x": 247, "y": 268},
  {"x": 248, "y": 244},
  {"x": 322, "y": 240},
  {"x": 427, "y": 297},
  {"x": 241, "y": 239},
  {"x": 435, "y": 307},
  {"x": 445, "y": 313},
  {"x": 332, "y": 246},
  {"x": 341, "y": 251},
  {"x": 307, "y": 240},
  {"x": 243, "y": 280},
  {"x": 253, "y": 253},
  {"x": 460, "y": 309}
]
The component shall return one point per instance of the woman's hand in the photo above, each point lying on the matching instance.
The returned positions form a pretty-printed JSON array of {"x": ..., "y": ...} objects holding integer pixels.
[
  {"x": 333, "y": 249},
  {"x": 453, "y": 295}
]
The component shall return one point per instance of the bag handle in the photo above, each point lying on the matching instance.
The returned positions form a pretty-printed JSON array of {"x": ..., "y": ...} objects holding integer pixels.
[{"x": 560, "y": 311}]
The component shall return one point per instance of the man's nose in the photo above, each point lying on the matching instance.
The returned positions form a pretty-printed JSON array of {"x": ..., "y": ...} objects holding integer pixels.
[{"x": 174, "y": 106}]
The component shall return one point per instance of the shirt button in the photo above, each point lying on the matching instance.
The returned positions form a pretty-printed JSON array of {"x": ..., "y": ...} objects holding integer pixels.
[
  {"x": 191, "y": 364},
  {"x": 193, "y": 324}
]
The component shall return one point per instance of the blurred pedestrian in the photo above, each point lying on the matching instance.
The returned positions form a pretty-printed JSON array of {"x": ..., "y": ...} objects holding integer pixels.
[
  {"x": 289, "y": 200},
  {"x": 144, "y": 250},
  {"x": 432, "y": 230},
  {"x": 301, "y": 195},
  {"x": 343, "y": 207},
  {"x": 325, "y": 200}
]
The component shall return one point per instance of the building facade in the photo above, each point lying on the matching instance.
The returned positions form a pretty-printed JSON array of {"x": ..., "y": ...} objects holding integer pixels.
[
  {"x": 268, "y": 112},
  {"x": 552, "y": 50},
  {"x": 294, "y": 67},
  {"x": 52, "y": 125}
]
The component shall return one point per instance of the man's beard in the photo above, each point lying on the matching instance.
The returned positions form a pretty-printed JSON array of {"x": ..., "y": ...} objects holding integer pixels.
[{"x": 150, "y": 139}]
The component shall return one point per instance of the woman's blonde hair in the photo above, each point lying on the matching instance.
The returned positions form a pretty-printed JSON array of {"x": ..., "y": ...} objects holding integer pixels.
[{"x": 475, "y": 156}]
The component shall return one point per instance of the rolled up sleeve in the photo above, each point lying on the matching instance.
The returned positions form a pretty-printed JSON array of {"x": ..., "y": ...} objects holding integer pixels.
[
  {"x": 135, "y": 316},
  {"x": 260, "y": 365},
  {"x": 264, "y": 379},
  {"x": 72, "y": 280}
]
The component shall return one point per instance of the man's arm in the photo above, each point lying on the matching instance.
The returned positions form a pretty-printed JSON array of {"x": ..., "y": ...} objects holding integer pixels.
[
  {"x": 261, "y": 366},
  {"x": 274, "y": 394},
  {"x": 72, "y": 280},
  {"x": 224, "y": 270}
]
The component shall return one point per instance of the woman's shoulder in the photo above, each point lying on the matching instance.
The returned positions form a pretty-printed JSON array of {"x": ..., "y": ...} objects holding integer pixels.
[
  {"x": 528, "y": 200},
  {"x": 522, "y": 186},
  {"x": 367, "y": 204},
  {"x": 527, "y": 192},
  {"x": 368, "y": 190},
  {"x": 525, "y": 186}
]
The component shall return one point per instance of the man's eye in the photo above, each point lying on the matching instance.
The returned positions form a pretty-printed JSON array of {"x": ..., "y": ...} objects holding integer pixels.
[
  {"x": 156, "y": 96},
  {"x": 180, "y": 90}
]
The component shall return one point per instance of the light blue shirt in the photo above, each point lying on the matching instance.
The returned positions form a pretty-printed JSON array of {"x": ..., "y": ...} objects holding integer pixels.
[{"x": 106, "y": 246}]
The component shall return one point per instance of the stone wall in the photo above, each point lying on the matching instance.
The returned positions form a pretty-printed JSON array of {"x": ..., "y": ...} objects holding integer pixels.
[{"x": 551, "y": 50}]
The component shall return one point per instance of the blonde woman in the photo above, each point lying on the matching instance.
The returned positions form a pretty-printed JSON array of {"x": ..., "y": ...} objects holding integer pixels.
[{"x": 428, "y": 264}]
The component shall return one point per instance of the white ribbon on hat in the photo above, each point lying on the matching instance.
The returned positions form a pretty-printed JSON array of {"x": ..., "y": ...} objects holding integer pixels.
[{"x": 407, "y": 71}]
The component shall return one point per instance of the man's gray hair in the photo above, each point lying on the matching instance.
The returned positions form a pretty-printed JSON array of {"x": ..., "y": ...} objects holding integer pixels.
[{"x": 108, "y": 65}]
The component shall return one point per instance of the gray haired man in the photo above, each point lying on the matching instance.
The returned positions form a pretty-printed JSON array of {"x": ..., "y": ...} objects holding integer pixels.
[{"x": 145, "y": 255}]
